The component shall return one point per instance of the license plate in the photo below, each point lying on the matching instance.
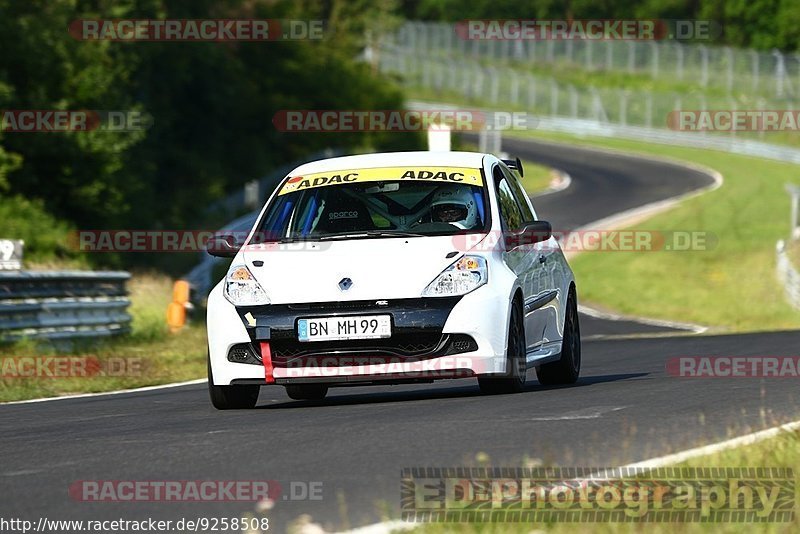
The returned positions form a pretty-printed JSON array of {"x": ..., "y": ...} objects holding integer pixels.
[{"x": 350, "y": 327}]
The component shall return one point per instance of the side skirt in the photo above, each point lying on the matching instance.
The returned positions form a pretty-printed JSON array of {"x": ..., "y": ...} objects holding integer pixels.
[{"x": 546, "y": 353}]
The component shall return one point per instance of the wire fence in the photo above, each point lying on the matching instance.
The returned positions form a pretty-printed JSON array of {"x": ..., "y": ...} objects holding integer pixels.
[
  {"x": 507, "y": 86},
  {"x": 436, "y": 64},
  {"x": 774, "y": 73}
]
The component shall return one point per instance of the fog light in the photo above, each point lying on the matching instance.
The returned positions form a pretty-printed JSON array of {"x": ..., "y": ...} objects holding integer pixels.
[{"x": 243, "y": 353}]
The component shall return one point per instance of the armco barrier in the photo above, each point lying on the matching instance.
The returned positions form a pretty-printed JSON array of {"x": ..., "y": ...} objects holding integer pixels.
[{"x": 63, "y": 304}]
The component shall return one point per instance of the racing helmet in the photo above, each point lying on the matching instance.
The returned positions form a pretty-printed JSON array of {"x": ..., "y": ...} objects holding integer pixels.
[{"x": 455, "y": 205}]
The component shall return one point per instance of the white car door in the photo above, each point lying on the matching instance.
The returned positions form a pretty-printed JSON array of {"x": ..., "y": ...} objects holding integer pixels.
[
  {"x": 547, "y": 271},
  {"x": 524, "y": 259}
]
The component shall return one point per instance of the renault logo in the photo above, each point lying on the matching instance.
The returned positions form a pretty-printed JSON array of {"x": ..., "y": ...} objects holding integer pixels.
[{"x": 345, "y": 284}]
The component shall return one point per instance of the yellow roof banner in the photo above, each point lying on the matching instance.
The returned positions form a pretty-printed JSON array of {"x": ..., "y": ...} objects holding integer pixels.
[{"x": 451, "y": 175}]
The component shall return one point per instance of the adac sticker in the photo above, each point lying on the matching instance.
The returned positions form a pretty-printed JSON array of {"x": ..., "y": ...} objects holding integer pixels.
[{"x": 453, "y": 175}]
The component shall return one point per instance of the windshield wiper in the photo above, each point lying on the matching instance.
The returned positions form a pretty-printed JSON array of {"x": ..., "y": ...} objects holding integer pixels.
[
  {"x": 282, "y": 240},
  {"x": 372, "y": 233}
]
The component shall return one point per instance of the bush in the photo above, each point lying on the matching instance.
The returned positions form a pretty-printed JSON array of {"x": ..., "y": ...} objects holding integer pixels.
[{"x": 48, "y": 240}]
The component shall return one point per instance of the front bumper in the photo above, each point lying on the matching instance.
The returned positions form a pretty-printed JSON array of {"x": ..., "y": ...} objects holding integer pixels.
[{"x": 432, "y": 338}]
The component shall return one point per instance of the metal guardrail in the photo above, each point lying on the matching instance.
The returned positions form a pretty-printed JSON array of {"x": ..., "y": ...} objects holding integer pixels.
[
  {"x": 63, "y": 304},
  {"x": 667, "y": 137}
]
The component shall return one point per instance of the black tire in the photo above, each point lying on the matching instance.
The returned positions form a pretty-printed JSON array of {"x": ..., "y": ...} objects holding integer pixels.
[
  {"x": 307, "y": 391},
  {"x": 231, "y": 397},
  {"x": 567, "y": 369},
  {"x": 514, "y": 381}
]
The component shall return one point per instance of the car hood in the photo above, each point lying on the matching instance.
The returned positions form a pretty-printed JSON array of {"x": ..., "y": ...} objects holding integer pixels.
[{"x": 379, "y": 268}]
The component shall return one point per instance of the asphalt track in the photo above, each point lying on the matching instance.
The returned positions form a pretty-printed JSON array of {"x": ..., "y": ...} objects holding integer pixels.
[{"x": 624, "y": 408}]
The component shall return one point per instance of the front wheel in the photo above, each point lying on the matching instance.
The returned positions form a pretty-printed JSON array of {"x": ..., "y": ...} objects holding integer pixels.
[
  {"x": 231, "y": 397},
  {"x": 516, "y": 366},
  {"x": 568, "y": 367}
]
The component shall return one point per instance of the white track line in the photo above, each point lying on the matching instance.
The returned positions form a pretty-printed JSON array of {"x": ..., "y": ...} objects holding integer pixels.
[
  {"x": 564, "y": 181},
  {"x": 592, "y": 312},
  {"x": 741, "y": 441},
  {"x": 104, "y": 393}
]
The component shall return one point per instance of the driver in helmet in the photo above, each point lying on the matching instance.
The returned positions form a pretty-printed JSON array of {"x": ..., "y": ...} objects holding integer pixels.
[{"x": 454, "y": 205}]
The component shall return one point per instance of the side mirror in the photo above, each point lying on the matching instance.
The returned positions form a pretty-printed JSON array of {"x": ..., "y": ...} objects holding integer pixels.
[
  {"x": 223, "y": 246},
  {"x": 529, "y": 234}
]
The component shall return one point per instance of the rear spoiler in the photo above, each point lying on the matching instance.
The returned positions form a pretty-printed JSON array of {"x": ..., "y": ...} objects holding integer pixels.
[{"x": 516, "y": 165}]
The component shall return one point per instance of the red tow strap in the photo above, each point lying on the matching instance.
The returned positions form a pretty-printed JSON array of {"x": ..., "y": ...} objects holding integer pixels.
[{"x": 266, "y": 358}]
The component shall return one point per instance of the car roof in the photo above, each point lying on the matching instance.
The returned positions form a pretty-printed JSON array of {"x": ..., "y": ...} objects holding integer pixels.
[{"x": 471, "y": 160}]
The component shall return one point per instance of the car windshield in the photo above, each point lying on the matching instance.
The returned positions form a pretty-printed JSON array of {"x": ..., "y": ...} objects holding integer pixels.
[{"x": 380, "y": 202}]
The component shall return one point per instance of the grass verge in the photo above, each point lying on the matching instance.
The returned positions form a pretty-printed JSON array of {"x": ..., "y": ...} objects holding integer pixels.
[
  {"x": 148, "y": 356},
  {"x": 780, "y": 451},
  {"x": 537, "y": 177}
]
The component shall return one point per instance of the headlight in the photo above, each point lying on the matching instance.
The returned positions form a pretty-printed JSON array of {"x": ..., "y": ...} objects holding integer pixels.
[
  {"x": 465, "y": 275},
  {"x": 241, "y": 289}
]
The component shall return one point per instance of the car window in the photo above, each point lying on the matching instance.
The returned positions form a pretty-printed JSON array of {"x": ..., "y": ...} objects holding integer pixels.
[
  {"x": 520, "y": 195},
  {"x": 511, "y": 215},
  {"x": 426, "y": 201}
]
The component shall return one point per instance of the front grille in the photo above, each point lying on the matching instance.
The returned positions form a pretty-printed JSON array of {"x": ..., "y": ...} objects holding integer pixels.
[
  {"x": 398, "y": 348},
  {"x": 398, "y": 345}
]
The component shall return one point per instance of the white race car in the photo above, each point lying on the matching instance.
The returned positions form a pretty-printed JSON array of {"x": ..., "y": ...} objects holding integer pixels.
[{"x": 392, "y": 268}]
